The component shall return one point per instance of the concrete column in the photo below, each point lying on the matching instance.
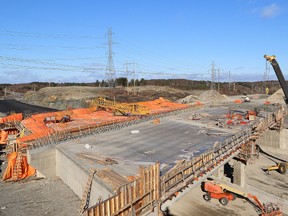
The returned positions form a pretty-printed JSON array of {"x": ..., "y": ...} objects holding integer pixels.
[
  {"x": 219, "y": 173},
  {"x": 239, "y": 173}
]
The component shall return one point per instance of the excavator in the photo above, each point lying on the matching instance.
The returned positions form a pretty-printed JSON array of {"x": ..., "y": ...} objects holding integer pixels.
[{"x": 224, "y": 193}]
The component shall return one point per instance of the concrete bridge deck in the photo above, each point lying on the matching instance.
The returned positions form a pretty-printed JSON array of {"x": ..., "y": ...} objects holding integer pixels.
[{"x": 174, "y": 139}]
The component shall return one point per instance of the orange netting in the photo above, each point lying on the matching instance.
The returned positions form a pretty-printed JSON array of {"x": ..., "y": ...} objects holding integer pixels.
[
  {"x": 17, "y": 167},
  {"x": 85, "y": 118},
  {"x": 162, "y": 105},
  {"x": 3, "y": 137},
  {"x": 11, "y": 118}
]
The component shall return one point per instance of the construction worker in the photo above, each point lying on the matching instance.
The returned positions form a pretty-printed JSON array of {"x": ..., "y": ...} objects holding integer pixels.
[{"x": 267, "y": 90}]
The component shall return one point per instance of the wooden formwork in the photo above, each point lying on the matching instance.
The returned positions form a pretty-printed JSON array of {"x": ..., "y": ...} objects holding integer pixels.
[
  {"x": 185, "y": 173},
  {"x": 134, "y": 198}
]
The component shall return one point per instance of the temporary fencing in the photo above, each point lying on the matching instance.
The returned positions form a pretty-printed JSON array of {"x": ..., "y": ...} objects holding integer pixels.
[
  {"x": 11, "y": 118},
  {"x": 17, "y": 167}
]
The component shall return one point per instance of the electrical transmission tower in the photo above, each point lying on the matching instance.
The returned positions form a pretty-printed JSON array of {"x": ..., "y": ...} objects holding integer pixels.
[
  {"x": 110, "y": 70},
  {"x": 212, "y": 76}
]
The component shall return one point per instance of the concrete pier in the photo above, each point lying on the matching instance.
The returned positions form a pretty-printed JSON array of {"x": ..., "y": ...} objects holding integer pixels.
[{"x": 239, "y": 173}]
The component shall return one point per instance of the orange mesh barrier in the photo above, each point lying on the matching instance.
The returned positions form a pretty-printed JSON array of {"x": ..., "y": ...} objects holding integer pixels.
[
  {"x": 3, "y": 137},
  {"x": 85, "y": 118},
  {"x": 11, "y": 118},
  {"x": 238, "y": 101},
  {"x": 162, "y": 105},
  {"x": 17, "y": 169},
  {"x": 267, "y": 102}
]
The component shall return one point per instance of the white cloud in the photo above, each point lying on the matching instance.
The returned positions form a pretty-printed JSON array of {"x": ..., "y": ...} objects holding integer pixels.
[{"x": 270, "y": 11}]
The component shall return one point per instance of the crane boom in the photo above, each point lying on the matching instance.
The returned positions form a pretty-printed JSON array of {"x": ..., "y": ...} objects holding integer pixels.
[{"x": 277, "y": 69}]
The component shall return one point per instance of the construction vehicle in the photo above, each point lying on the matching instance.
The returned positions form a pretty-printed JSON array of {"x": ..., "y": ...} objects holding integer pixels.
[
  {"x": 280, "y": 165},
  {"x": 126, "y": 109},
  {"x": 278, "y": 72},
  {"x": 224, "y": 193},
  {"x": 60, "y": 117}
]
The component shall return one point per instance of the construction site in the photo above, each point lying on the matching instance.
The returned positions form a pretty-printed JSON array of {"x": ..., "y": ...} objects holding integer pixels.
[{"x": 208, "y": 154}]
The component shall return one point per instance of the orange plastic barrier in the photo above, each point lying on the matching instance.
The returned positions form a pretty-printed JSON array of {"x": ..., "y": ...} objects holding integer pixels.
[
  {"x": 3, "y": 137},
  {"x": 238, "y": 101},
  {"x": 267, "y": 102},
  {"x": 85, "y": 118},
  {"x": 11, "y": 118},
  {"x": 25, "y": 170}
]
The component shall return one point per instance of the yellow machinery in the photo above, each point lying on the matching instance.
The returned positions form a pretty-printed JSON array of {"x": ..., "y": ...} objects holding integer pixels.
[
  {"x": 126, "y": 109},
  {"x": 280, "y": 167}
]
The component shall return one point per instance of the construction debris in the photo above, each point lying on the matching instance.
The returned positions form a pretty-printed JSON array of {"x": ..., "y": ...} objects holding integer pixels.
[{"x": 97, "y": 158}]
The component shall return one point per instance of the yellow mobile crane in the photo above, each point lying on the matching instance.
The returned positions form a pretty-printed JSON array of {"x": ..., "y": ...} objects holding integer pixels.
[
  {"x": 280, "y": 166},
  {"x": 126, "y": 109}
]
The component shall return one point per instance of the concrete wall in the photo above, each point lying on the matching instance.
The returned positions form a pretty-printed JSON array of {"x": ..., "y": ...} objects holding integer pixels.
[
  {"x": 274, "y": 138},
  {"x": 44, "y": 160},
  {"x": 283, "y": 139},
  {"x": 270, "y": 138},
  {"x": 76, "y": 177}
]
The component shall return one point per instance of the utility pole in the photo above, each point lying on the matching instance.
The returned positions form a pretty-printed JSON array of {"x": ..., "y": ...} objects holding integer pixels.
[
  {"x": 110, "y": 70},
  {"x": 212, "y": 76},
  {"x": 127, "y": 73},
  {"x": 229, "y": 81},
  {"x": 218, "y": 80}
]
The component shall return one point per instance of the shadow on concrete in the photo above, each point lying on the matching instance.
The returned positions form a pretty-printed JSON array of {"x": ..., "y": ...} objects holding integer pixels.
[
  {"x": 167, "y": 212},
  {"x": 228, "y": 171}
]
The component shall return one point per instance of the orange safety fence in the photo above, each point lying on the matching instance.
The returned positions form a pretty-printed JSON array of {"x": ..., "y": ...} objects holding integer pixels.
[
  {"x": 85, "y": 118},
  {"x": 162, "y": 105},
  {"x": 238, "y": 101},
  {"x": 11, "y": 118},
  {"x": 17, "y": 167},
  {"x": 3, "y": 137}
]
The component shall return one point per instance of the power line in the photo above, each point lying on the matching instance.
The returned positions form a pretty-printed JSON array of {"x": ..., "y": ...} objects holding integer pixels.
[{"x": 38, "y": 35}]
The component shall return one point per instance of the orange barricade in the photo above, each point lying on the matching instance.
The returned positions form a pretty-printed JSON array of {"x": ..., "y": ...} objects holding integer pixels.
[
  {"x": 3, "y": 137},
  {"x": 11, "y": 118},
  {"x": 238, "y": 101},
  {"x": 20, "y": 169}
]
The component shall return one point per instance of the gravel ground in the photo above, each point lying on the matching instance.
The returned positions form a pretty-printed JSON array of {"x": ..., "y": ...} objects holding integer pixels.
[{"x": 37, "y": 197}]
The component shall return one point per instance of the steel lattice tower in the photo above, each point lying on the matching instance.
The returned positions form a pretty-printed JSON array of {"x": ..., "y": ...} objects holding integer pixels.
[{"x": 110, "y": 70}]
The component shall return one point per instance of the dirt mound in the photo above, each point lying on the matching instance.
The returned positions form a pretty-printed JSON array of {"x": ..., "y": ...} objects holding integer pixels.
[
  {"x": 204, "y": 96},
  {"x": 211, "y": 96},
  {"x": 76, "y": 96},
  {"x": 278, "y": 97}
]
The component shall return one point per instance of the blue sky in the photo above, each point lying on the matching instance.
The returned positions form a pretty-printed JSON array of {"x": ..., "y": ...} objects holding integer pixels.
[{"x": 66, "y": 41}]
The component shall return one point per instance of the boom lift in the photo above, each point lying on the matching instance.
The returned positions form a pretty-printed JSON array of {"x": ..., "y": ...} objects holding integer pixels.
[{"x": 225, "y": 192}]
